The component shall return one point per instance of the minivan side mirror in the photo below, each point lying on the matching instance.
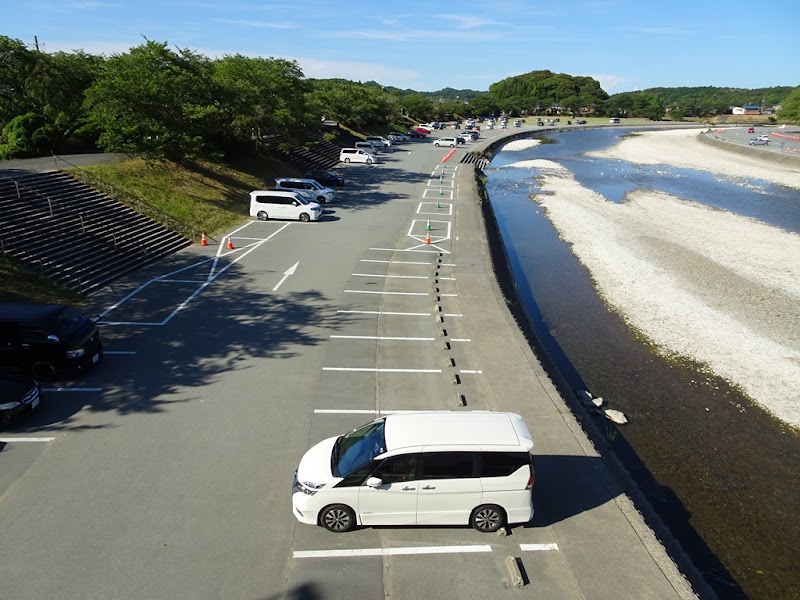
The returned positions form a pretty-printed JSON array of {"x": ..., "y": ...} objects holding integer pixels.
[{"x": 374, "y": 482}]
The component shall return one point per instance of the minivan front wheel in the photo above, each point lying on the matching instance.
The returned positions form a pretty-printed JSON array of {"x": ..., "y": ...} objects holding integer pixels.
[
  {"x": 338, "y": 518},
  {"x": 304, "y": 217},
  {"x": 44, "y": 370},
  {"x": 487, "y": 518}
]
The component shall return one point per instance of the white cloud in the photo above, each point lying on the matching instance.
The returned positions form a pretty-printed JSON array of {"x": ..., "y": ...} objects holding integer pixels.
[
  {"x": 611, "y": 83},
  {"x": 257, "y": 24},
  {"x": 317, "y": 68}
]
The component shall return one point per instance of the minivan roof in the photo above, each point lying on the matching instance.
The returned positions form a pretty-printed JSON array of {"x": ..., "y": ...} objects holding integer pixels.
[
  {"x": 28, "y": 312},
  {"x": 446, "y": 428}
]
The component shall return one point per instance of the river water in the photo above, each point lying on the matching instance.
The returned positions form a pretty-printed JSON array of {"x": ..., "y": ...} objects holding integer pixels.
[{"x": 727, "y": 485}]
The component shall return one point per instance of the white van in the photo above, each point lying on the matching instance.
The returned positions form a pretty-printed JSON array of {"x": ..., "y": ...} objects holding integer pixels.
[
  {"x": 426, "y": 468},
  {"x": 379, "y": 141},
  {"x": 310, "y": 188},
  {"x": 274, "y": 204},
  {"x": 349, "y": 155},
  {"x": 368, "y": 146}
]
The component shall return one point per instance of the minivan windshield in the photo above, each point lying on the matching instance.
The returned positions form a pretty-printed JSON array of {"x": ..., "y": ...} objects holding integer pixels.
[
  {"x": 357, "y": 448},
  {"x": 302, "y": 199},
  {"x": 66, "y": 322}
]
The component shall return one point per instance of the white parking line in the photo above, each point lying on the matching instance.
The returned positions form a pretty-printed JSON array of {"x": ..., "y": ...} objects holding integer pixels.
[
  {"x": 398, "y": 262},
  {"x": 391, "y": 276},
  {"x": 379, "y": 337},
  {"x": 537, "y": 547},
  {"x": 372, "y": 370},
  {"x": 460, "y": 340},
  {"x": 11, "y": 440},
  {"x": 381, "y": 312},
  {"x": 470, "y": 372},
  {"x": 387, "y": 293},
  {"x": 390, "y": 551}
]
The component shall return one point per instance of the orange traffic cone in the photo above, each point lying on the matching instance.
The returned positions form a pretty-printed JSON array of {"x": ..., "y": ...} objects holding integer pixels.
[
  {"x": 428, "y": 237},
  {"x": 230, "y": 243},
  {"x": 203, "y": 240}
]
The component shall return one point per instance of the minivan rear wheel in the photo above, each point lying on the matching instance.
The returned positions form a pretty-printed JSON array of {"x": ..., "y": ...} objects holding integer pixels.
[
  {"x": 347, "y": 160},
  {"x": 262, "y": 215},
  {"x": 337, "y": 518},
  {"x": 44, "y": 370},
  {"x": 487, "y": 518}
]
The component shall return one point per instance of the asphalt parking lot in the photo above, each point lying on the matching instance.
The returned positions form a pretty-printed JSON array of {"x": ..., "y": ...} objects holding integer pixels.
[{"x": 166, "y": 471}]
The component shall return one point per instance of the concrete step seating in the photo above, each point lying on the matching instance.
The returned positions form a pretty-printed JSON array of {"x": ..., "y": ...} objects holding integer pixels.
[{"x": 75, "y": 235}]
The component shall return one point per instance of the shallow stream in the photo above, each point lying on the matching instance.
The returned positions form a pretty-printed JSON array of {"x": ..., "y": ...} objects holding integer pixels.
[{"x": 720, "y": 471}]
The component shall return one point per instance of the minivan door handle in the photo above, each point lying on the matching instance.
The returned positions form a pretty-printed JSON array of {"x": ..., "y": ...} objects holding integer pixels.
[
  {"x": 429, "y": 487},
  {"x": 408, "y": 489}
]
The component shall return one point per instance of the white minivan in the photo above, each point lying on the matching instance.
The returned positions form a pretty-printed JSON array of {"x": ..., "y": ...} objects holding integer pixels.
[
  {"x": 274, "y": 204},
  {"x": 349, "y": 155},
  {"x": 425, "y": 468}
]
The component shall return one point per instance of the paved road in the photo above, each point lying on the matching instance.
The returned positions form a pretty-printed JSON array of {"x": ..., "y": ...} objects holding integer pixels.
[{"x": 166, "y": 472}]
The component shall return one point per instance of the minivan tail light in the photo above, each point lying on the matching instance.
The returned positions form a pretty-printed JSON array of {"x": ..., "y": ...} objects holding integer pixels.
[{"x": 530, "y": 481}]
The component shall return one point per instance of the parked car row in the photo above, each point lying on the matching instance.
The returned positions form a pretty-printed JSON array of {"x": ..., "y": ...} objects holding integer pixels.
[{"x": 41, "y": 342}]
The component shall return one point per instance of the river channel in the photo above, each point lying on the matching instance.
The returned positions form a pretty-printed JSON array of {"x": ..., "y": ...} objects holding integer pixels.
[{"x": 720, "y": 471}]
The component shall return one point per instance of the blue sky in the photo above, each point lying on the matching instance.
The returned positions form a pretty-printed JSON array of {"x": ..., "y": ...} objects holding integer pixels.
[{"x": 625, "y": 44}]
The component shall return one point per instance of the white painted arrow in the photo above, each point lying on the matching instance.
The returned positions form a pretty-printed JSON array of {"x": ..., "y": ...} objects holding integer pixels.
[{"x": 289, "y": 271}]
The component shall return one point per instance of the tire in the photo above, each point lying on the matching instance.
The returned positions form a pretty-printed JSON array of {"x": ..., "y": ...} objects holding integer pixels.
[
  {"x": 337, "y": 518},
  {"x": 487, "y": 518},
  {"x": 436, "y": 144},
  {"x": 369, "y": 162},
  {"x": 44, "y": 370},
  {"x": 347, "y": 160},
  {"x": 321, "y": 199},
  {"x": 304, "y": 217},
  {"x": 262, "y": 215},
  {"x": 452, "y": 145}
]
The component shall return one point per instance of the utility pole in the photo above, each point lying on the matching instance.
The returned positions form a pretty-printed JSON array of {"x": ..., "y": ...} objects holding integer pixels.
[{"x": 36, "y": 42}]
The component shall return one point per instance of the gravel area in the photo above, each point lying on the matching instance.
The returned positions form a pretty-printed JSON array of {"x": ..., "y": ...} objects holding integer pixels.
[{"x": 699, "y": 282}]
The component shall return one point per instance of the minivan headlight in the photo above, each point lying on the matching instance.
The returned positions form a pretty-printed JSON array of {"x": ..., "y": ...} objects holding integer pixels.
[
  {"x": 9, "y": 405},
  {"x": 307, "y": 487},
  {"x": 76, "y": 353}
]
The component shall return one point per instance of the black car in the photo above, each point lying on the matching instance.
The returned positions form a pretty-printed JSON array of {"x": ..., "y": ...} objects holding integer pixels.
[
  {"x": 412, "y": 133},
  {"x": 46, "y": 340},
  {"x": 19, "y": 395},
  {"x": 325, "y": 177}
]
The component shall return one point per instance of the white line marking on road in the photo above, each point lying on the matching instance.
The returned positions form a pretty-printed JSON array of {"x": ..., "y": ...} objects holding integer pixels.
[
  {"x": 381, "y": 312},
  {"x": 72, "y": 389},
  {"x": 537, "y": 547},
  {"x": 379, "y": 337},
  {"x": 354, "y": 552},
  {"x": 409, "y": 250},
  {"x": 373, "y": 370},
  {"x": 181, "y": 281},
  {"x": 449, "y": 264},
  {"x": 387, "y": 293},
  {"x": 287, "y": 273},
  {"x": 398, "y": 262},
  {"x": 447, "y": 278},
  {"x": 119, "y": 352},
  {"x": 11, "y": 440},
  {"x": 391, "y": 276},
  {"x": 470, "y": 372},
  {"x": 453, "y": 315},
  {"x": 460, "y": 340}
]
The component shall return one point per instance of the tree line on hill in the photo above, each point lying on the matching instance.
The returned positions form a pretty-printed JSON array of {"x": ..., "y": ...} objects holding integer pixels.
[{"x": 162, "y": 103}]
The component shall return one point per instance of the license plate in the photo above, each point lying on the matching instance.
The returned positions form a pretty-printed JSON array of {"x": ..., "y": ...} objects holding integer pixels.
[{"x": 95, "y": 358}]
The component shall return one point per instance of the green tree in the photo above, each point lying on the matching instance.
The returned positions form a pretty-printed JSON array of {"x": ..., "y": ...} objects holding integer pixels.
[
  {"x": 25, "y": 135},
  {"x": 17, "y": 65},
  {"x": 57, "y": 90},
  {"x": 355, "y": 104},
  {"x": 417, "y": 106},
  {"x": 156, "y": 103},
  {"x": 260, "y": 96},
  {"x": 790, "y": 107}
]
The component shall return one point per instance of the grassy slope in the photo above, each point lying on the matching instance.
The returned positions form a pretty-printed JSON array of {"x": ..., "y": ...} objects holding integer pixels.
[{"x": 210, "y": 196}]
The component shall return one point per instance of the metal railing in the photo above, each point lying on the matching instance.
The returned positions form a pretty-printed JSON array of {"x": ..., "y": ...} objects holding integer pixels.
[{"x": 151, "y": 212}]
